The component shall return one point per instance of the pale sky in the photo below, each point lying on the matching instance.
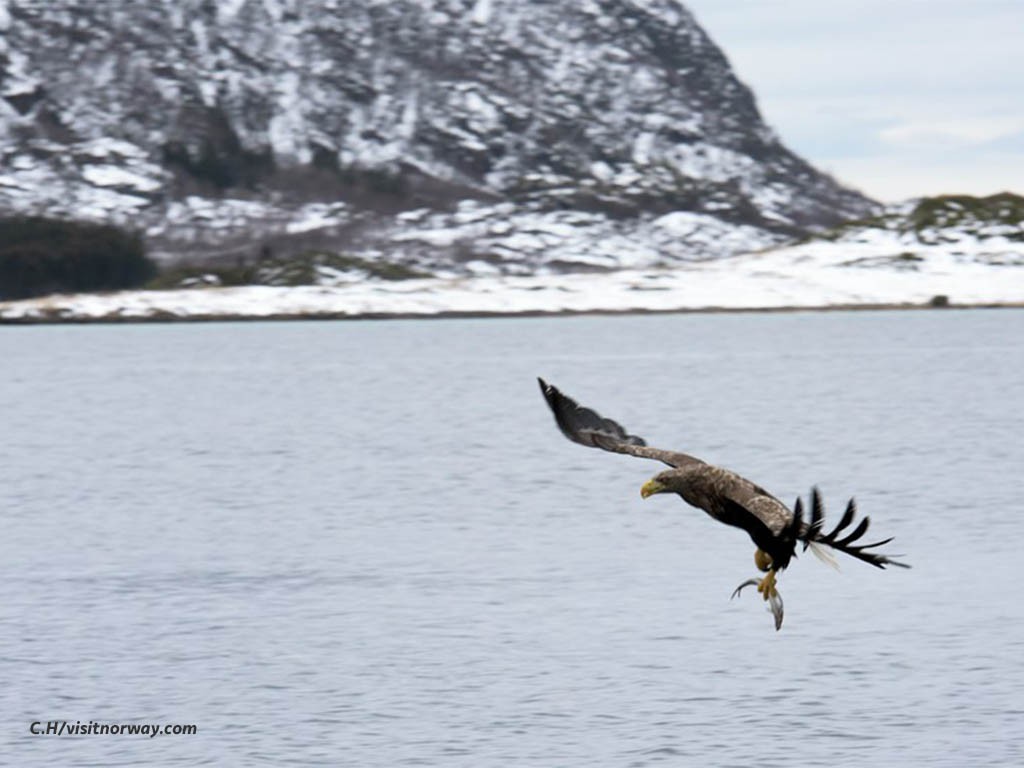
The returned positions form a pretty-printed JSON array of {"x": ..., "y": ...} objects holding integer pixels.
[{"x": 897, "y": 98}]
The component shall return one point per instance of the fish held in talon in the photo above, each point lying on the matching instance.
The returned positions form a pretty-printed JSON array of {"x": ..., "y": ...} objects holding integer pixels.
[{"x": 729, "y": 498}]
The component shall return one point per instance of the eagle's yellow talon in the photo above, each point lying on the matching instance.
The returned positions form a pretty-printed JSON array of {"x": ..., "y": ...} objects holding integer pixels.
[{"x": 762, "y": 560}]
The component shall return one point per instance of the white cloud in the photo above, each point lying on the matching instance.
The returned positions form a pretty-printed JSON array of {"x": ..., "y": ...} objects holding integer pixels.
[{"x": 964, "y": 131}]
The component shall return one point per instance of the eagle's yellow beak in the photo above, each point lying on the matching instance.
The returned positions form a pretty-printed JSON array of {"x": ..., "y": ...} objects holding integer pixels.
[{"x": 651, "y": 487}]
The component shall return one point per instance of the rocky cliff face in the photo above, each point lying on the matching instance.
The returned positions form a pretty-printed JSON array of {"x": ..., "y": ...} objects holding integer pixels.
[{"x": 454, "y": 136}]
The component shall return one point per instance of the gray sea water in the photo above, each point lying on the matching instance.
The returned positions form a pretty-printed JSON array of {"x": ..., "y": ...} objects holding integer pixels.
[{"x": 366, "y": 544}]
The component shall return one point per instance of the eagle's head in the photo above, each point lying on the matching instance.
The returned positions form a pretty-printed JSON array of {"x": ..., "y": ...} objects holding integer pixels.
[{"x": 663, "y": 482}]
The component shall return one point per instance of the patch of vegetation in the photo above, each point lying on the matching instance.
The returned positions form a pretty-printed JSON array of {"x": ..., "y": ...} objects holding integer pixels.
[
  {"x": 380, "y": 181},
  {"x": 964, "y": 213},
  {"x": 881, "y": 221},
  {"x": 39, "y": 256},
  {"x": 188, "y": 276},
  {"x": 967, "y": 211},
  {"x": 309, "y": 268},
  {"x": 392, "y": 271},
  {"x": 223, "y": 166}
]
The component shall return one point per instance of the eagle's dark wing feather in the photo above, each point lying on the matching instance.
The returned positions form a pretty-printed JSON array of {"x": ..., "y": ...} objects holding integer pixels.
[
  {"x": 587, "y": 427},
  {"x": 760, "y": 521}
]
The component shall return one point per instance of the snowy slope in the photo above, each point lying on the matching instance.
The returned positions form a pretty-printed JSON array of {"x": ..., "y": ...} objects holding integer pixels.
[{"x": 867, "y": 266}]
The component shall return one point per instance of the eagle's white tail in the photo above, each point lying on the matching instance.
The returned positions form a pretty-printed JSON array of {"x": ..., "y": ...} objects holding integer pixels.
[{"x": 824, "y": 554}]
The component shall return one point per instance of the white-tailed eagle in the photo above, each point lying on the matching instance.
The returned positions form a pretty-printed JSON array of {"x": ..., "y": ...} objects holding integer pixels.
[{"x": 728, "y": 498}]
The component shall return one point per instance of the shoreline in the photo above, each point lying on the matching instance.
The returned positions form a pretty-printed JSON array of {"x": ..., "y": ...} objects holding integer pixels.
[
  {"x": 799, "y": 279},
  {"x": 169, "y": 318}
]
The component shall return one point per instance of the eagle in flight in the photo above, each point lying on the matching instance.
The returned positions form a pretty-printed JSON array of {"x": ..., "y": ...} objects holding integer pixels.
[{"x": 728, "y": 498}]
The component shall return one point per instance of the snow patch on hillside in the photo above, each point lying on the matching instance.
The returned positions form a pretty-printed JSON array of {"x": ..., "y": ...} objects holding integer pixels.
[{"x": 872, "y": 271}]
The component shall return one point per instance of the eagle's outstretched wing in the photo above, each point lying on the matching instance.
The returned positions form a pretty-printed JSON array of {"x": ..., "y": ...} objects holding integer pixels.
[{"x": 587, "y": 427}]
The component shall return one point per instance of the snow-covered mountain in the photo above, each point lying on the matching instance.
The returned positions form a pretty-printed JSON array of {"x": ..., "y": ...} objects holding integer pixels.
[{"x": 456, "y": 137}]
